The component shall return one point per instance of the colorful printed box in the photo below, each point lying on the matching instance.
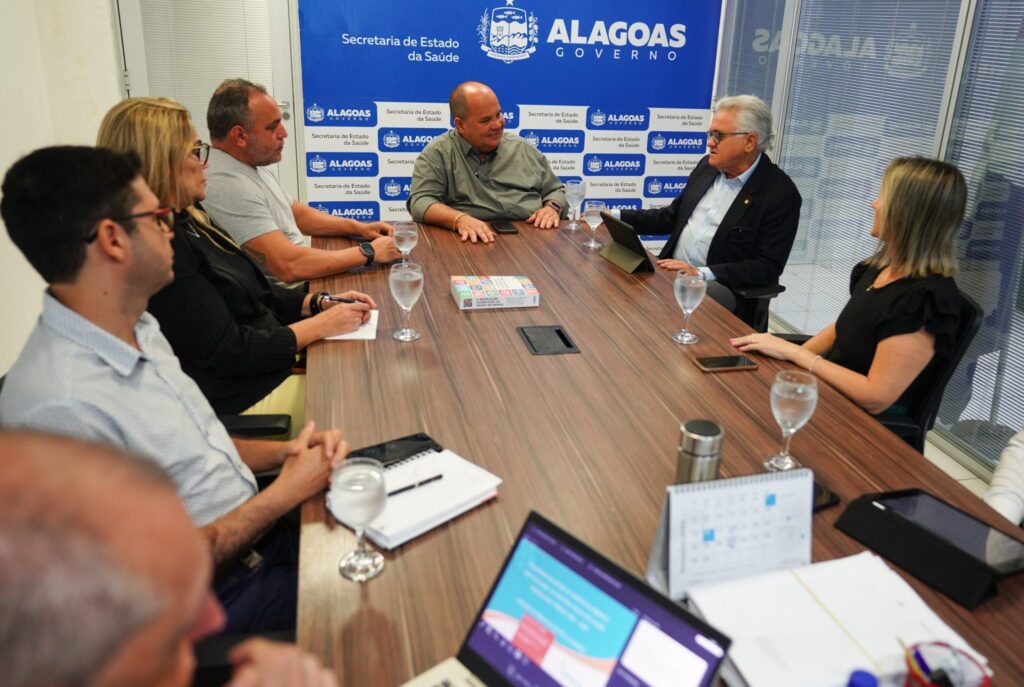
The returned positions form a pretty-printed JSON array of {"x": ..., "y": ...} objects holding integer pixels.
[{"x": 473, "y": 292}]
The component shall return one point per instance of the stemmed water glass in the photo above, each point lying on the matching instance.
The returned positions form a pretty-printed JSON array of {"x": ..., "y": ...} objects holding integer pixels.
[
  {"x": 794, "y": 398},
  {"x": 575, "y": 190},
  {"x": 406, "y": 281},
  {"x": 689, "y": 292},
  {"x": 592, "y": 210},
  {"x": 406, "y": 236},
  {"x": 357, "y": 496}
]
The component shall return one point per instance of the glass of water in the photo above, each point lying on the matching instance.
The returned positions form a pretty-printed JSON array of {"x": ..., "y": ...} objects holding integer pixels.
[
  {"x": 406, "y": 282},
  {"x": 406, "y": 236},
  {"x": 357, "y": 496},
  {"x": 689, "y": 292},
  {"x": 575, "y": 190},
  {"x": 592, "y": 210},
  {"x": 794, "y": 398}
]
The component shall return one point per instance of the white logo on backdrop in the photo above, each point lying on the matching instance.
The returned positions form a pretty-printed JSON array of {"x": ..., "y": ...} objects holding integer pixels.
[
  {"x": 318, "y": 165},
  {"x": 594, "y": 164},
  {"x": 654, "y": 186},
  {"x": 392, "y": 188},
  {"x": 658, "y": 142},
  {"x": 392, "y": 140},
  {"x": 315, "y": 113},
  {"x": 532, "y": 138},
  {"x": 508, "y": 33},
  {"x": 597, "y": 118}
]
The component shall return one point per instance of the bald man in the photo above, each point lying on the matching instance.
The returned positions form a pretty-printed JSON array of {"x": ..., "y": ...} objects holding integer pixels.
[
  {"x": 104, "y": 580},
  {"x": 477, "y": 172}
]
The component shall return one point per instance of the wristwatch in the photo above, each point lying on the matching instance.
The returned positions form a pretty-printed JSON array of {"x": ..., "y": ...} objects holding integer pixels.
[
  {"x": 556, "y": 205},
  {"x": 315, "y": 302},
  {"x": 366, "y": 248}
]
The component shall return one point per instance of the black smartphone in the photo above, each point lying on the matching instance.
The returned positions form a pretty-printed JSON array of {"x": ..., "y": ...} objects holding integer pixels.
[
  {"x": 504, "y": 227},
  {"x": 397, "y": 450},
  {"x": 823, "y": 497},
  {"x": 725, "y": 363}
]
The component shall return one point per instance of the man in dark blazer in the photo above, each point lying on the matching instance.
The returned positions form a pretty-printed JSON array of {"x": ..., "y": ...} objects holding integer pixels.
[{"x": 736, "y": 220}]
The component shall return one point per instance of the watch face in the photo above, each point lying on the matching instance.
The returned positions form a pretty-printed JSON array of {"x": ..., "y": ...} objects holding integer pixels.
[{"x": 367, "y": 249}]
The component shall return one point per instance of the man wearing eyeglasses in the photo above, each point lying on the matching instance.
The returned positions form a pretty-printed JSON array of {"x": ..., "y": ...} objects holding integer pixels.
[
  {"x": 96, "y": 366},
  {"x": 246, "y": 199},
  {"x": 735, "y": 222}
]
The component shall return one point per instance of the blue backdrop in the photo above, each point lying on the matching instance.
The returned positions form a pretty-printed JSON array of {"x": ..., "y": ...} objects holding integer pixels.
[{"x": 626, "y": 84}]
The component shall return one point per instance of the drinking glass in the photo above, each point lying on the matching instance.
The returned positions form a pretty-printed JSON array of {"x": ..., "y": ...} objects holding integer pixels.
[
  {"x": 406, "y": 236},
  {"x": 689, "y": 292},
  {"x": 357, "y": 496},
  {"x": 575, "y": 190},
  {"x": 406, "y": 282},
  {"x": 794, "y": 397},
  {"x": 592, "y": 210}
]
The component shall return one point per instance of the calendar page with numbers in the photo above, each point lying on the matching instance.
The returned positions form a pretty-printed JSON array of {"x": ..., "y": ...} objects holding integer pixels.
[{"x": 725, "y": 528}]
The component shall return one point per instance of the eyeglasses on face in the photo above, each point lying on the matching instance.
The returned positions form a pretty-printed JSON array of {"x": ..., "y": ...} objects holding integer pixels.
[
  {"x": 717, "y": 136},
  {"x": 164, "y": 221},
  {"x": 201, "y": 151}
]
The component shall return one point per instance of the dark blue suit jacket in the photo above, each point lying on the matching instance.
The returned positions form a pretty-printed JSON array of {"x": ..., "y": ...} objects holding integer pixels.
[{"x": 753, "y": 241}]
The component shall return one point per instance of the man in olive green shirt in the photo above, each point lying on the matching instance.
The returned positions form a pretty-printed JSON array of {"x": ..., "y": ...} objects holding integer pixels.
[{"x": 477, "y": 172}]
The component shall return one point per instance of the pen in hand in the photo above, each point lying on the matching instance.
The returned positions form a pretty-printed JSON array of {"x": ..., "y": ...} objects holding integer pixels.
[
  {"x": 339, "y": 299},
  {"x": 407, "y": 487}
]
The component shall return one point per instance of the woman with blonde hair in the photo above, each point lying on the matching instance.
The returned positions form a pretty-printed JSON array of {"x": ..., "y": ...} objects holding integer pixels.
[
  {"x": 901, "y": 320},
  {"x": 236, "y": 334}
]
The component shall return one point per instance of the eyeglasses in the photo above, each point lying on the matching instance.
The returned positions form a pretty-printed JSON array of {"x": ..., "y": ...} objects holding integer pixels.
[
  {"x": 717, "y": 136},
  {"x": 201, "y": 151},
  {"x": 164, "y": 221}
]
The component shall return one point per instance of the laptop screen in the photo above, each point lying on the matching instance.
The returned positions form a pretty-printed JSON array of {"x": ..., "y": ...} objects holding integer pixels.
[{"x": 562, "y": 614}]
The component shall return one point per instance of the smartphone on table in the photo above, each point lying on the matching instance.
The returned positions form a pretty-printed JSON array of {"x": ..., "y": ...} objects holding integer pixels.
[
  {"x": 504, "y": 227},
  {"x": 725, "y": 363}
]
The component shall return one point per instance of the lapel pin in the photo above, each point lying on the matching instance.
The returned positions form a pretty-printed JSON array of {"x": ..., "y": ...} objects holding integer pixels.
[{"x": 746, "y": 201}]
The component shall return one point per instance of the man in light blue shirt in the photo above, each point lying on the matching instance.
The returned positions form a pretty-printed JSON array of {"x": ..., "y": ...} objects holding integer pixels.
[
  {"x": 736, "y": 219},
  {"x": 97, "y": 367}
]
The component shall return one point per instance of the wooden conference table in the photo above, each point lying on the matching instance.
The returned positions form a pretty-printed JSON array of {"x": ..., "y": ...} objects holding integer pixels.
[{"x": 587, "y": 439}]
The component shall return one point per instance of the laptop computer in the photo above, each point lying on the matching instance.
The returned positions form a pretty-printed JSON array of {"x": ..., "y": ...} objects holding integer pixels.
[
  {"x": 625, "y": 250},
  {"x": 562, "y": 614}
]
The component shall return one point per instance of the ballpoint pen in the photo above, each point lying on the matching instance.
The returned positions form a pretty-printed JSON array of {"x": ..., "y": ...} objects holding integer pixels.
[
  {"x": 407, "y": 487},
  {"x": 339, "y": 299}
]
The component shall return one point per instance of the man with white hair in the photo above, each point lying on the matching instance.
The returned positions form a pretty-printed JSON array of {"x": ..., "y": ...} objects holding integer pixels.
[
  {"x": 736, "y": 220},
  {"x": 104, "y": 580}
]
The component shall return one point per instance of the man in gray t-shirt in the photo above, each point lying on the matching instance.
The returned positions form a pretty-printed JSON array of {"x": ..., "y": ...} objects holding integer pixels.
[{"x": 246, "y": 200}]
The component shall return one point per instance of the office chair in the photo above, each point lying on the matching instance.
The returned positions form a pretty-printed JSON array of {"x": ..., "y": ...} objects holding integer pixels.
[
  {"x": 913, "y": 427},
  {"x": 752, "y": 304},
  {"x": 255, "y": 426}
]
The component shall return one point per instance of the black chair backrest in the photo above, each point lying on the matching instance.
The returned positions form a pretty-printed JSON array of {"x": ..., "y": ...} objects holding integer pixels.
[{"x": 970, "y": 322}]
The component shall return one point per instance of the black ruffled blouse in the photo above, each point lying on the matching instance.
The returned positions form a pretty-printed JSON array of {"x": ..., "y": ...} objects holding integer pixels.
[{"x": 902, "y": 307}]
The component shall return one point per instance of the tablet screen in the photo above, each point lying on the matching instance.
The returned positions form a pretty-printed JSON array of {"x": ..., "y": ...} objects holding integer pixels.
[{"x": 1002, "y": 553}]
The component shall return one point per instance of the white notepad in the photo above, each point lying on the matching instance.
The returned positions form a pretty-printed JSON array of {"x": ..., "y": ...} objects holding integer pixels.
[
  {"x": 366, "y": 331},
  {"x": 463, "y": 486},
  {"x": 812, "y": 626},
  {"x": 725, "y": 528}
]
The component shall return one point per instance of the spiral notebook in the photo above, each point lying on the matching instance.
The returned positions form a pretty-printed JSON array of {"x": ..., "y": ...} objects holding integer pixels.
[
  {"x": 726, "y": 528},
  {"x": 426, "y": 490}
]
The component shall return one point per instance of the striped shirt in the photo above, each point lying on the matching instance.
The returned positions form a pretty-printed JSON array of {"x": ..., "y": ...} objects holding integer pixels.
[{"x": 76, "y": 379}]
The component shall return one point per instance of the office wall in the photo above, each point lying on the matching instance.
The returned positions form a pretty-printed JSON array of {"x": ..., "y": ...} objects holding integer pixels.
[{"x": 60, "y": 75}]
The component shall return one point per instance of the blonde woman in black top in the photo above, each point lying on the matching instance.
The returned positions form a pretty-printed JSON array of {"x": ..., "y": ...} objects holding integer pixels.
[
  {"x": 236, "y": 334},
  {"x": 902, "y": 316}
]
